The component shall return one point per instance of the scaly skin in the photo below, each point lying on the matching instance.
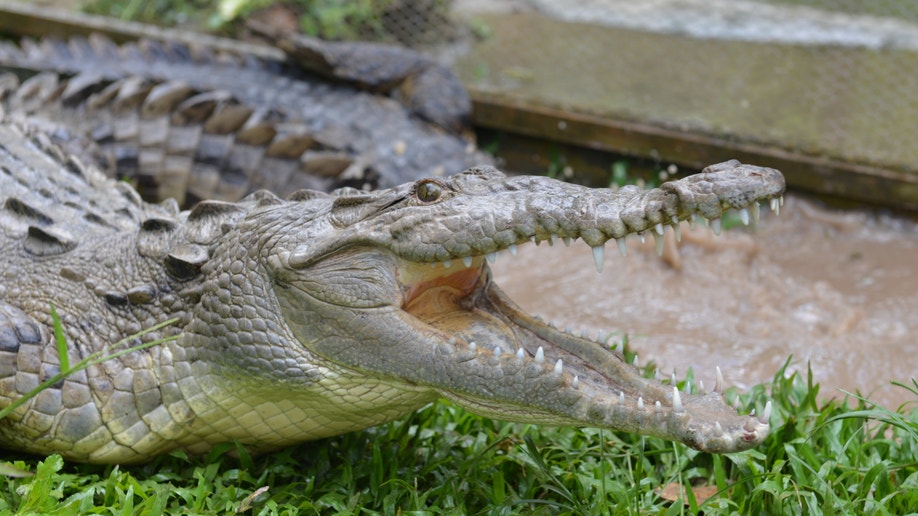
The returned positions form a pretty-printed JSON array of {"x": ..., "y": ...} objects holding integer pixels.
[
  {"x": 388, "y": 142},
  {"x": 427, "y": 88},
  {"x": 174, "y": 141},
  {"x": 321, "y": 314}
]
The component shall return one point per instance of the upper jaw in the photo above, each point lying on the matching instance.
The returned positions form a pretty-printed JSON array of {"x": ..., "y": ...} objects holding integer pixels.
[{"x": 538, "y": 209}]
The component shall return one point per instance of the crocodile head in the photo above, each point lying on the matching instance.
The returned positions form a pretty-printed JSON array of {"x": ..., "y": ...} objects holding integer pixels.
[{"x": 395, "y": 285}]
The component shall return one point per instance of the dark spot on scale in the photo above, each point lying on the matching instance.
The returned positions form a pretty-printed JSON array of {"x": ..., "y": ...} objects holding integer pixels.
[
  {"x": 48, "y": 241},
  {"x": 157, "y": 225},
  {"x": 24, "y": 211},
  {"x": 29, "y": 333},
  {"x": 184, "y": 262},
  {"x": 8, "y": 339},
  {"x": 141, "y": 295},
  {"x": 115, "y": 299},
  {"x": 50, "y": 371}
]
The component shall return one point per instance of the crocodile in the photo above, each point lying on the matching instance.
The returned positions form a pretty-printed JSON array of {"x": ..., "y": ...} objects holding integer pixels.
[
  {"x": 173, "y": 141},
  {"x": 322, "y": 313},
  {"x": 426, "y": 87},
  {"x": 357, "y": 132}
]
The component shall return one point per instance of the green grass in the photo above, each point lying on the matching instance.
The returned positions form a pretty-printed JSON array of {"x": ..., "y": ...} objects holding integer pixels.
[{"x": 821, "y": 458}]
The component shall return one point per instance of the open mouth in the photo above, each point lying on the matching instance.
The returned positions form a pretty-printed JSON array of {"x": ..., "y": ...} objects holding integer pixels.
[
  {"x": 522, "y": 358},
  {"x": 450, "y": 299},
  {"x": 462, "y": 302}
]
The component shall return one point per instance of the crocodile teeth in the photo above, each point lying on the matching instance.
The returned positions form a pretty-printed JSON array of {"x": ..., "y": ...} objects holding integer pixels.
[
  {"x": 567, "y": 241},
  {"x": 717, "y": 426},
  {"x": 552, "y": 238},
  {"x": 775, "y": 207},
  {"x": 621, "y": 397},
  {"x": 473, "y": 346},
  {"x": 512, "y": 249},
  {"x": 640, "y": 404},
  {"x": 700, "y": 387},
  {"x": 598, "y": 258},
  {"x": 744, "y": 216},
  {"x": 497, "y": 351},
  {"x": 677, "y": 401},
  {"x": 540, "y": 355},
  {"x": 447, "y": 263},
  {"x": 467, "y": 261},
  {"x": 643, "y": 237},
  {"x": 677, "y": 229},
  {"x": 658, "y": 241},
  {"x": 635, "y": 361},
  {"x": 575, "y": 382},
  {"x": 754, "y": 208},
  {"x": 658, "y": 406},
  {"x": 718, "y": 381},
  {"x": 766, "y": 413},
  {"x": 559, "y": 368},
  {"x": 715, "y": 226},
  {"x": 672, "y": 378},
  {"x": 491, "y": 257},
  {"x": 659, "y": 228},
  {"x": 622, "y": 248},
  {"x": 520, "y": 354}
]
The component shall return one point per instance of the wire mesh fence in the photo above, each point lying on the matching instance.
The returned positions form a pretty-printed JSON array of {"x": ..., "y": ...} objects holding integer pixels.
[{"x": 836, "y": 78}]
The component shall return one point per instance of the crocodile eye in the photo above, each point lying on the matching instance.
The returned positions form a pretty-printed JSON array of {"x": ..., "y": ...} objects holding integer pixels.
[{"x": 429, "y": 191}]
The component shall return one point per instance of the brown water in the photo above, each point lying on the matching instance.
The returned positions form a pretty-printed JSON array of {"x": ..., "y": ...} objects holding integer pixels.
[{"x": 836, "y": 289}]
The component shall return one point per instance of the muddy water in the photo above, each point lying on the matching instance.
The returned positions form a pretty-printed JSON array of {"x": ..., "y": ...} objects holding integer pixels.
[{"x": 836, "y": 289}]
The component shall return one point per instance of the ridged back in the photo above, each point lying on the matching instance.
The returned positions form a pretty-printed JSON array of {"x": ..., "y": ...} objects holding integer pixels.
[{"x": 341, "y": 135}]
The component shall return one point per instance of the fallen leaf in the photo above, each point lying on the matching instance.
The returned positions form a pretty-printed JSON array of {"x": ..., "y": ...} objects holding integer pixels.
[{"x": 675, "y": 491}]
